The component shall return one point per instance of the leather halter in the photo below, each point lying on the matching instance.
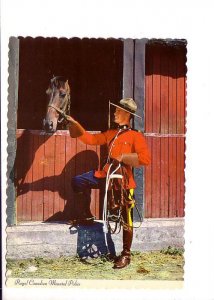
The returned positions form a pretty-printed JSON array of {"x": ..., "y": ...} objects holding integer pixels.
[{"x": 60, "y": 111}]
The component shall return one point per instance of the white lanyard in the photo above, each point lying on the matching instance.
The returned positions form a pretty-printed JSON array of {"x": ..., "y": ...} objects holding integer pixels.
[{"x": 112, "y": 143}]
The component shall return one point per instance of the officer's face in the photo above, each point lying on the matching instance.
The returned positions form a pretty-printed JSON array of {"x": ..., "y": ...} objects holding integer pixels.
[{"x": 121, "y": 116}]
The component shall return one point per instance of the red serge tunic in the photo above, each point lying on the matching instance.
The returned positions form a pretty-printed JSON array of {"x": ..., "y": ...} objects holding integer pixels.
[{"x": 129, "y": 141}]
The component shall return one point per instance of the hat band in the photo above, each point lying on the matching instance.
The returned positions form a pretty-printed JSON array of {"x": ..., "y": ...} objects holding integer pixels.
[
  {"x": 121, "y": 107},
  {"x": 127, "y": 108}
]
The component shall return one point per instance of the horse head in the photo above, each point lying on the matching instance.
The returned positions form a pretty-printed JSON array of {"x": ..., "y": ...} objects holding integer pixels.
[{"x": 59, "y": 103}]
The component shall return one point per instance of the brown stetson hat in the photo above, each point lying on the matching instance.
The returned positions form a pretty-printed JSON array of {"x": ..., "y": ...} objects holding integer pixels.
[{"x": 127, "y": 104}]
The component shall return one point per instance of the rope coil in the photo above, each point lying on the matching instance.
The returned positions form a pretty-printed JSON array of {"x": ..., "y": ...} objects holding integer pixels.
[{"x": 126, "y": 200}]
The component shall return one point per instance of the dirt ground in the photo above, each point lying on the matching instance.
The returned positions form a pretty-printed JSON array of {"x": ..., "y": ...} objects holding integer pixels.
[{"x": 158, "y": 265}]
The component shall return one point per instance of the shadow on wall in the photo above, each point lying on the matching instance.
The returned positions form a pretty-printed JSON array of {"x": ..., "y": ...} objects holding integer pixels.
[
  {"x": 62, "y": 184},
  {"x": 24, "y": 143},
  {"x": 91, "y": 241}
]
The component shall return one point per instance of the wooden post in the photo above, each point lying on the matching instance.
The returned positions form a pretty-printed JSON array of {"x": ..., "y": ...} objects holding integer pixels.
[
  {"x": 133, "y": 86},
  {"x": 128, "y": 68},
  {"x": 11, "y": 127},
  {"x": 139, "y": 93}
]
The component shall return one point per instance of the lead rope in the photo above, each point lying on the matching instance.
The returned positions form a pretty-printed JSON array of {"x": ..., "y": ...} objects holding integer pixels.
[
  {"x": 108, "y": 178},
  {"x": 105, "y": 227},
  {"x": 108, "y": 158}
]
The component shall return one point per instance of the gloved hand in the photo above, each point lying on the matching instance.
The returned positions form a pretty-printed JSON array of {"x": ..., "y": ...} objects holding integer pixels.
[
  {"x": 70, "y": 119},
  {"x": 130, "y": 159},
  {"x": 75, "y": 128}
]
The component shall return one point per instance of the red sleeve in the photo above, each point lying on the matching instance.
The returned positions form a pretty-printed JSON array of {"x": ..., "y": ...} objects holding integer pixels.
[
  {"x": 141, "y": 149},
  {"x": 94, "y": 138}
]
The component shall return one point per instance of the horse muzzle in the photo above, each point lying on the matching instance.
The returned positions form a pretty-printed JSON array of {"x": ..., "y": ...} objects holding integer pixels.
[{"x": 48, "y": 126}]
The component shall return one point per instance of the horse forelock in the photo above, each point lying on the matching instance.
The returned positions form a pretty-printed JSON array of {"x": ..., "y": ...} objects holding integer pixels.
[{"x": 58, "y": 81}]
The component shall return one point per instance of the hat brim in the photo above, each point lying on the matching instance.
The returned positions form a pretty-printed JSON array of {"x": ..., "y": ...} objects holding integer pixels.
[{"x": 121, "y": 107}]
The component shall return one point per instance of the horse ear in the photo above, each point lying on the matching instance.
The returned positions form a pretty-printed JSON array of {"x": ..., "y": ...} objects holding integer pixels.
[
  {"x": 67, "y": 86},
  {"x": 48, "y": 91}
]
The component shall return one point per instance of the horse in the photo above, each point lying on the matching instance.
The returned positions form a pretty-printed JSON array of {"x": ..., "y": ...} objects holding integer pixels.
[{"x": 59, "y": 103}]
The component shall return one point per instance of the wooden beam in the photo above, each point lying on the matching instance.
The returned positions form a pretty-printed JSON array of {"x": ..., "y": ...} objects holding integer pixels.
[
  {"x": 133, "y": 86},
  {"x": 11, "y": 127},
  {"x": 128, "y": 68},
  {"x": 138, "y": 95},
  {"x": 139, "y": 82}
]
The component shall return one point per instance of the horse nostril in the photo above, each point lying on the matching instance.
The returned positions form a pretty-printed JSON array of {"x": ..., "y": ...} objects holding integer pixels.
[{"x": 48, "y": 126}]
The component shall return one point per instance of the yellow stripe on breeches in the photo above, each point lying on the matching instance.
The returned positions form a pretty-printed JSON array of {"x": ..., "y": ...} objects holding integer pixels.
[{"x": 129, "y": 207}]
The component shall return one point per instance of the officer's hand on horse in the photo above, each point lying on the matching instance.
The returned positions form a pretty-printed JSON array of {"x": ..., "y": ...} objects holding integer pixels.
[{"x": 70, "y": 119}]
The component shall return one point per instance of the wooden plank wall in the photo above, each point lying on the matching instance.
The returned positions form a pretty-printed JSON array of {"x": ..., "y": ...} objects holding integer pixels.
[
  {"x": 165, "y": 101},
  {"x": 45, "y": 165}
]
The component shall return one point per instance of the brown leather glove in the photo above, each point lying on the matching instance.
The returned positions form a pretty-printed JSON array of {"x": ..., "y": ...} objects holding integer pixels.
[
  {"x": 75, "y": 128},
  {"x": 130, "y": 159}
]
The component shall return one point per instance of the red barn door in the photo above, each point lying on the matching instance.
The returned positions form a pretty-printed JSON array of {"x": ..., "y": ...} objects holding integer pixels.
[{"x": 165, "y": 101}]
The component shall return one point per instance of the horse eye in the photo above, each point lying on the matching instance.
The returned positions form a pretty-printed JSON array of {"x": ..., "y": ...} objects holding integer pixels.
[{"x": 62, "y": 95}]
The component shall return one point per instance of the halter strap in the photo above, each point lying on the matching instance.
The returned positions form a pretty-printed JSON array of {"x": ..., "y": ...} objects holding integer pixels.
[{"x": 61, "y": 112}]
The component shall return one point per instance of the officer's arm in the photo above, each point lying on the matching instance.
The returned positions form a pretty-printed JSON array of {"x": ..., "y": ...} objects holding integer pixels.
[
  {"x": 142, "y": 150},
  {"x": 76, "y": 130}
]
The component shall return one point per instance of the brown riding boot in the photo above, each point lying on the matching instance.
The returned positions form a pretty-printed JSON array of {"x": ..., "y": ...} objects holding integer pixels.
[
  {"x": 125, "y": 257},
  {"x": 84, "y": 215}
]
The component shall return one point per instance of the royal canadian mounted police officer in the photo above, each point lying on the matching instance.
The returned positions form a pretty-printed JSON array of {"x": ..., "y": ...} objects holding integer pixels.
[{"x": 127, "y": 147}]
